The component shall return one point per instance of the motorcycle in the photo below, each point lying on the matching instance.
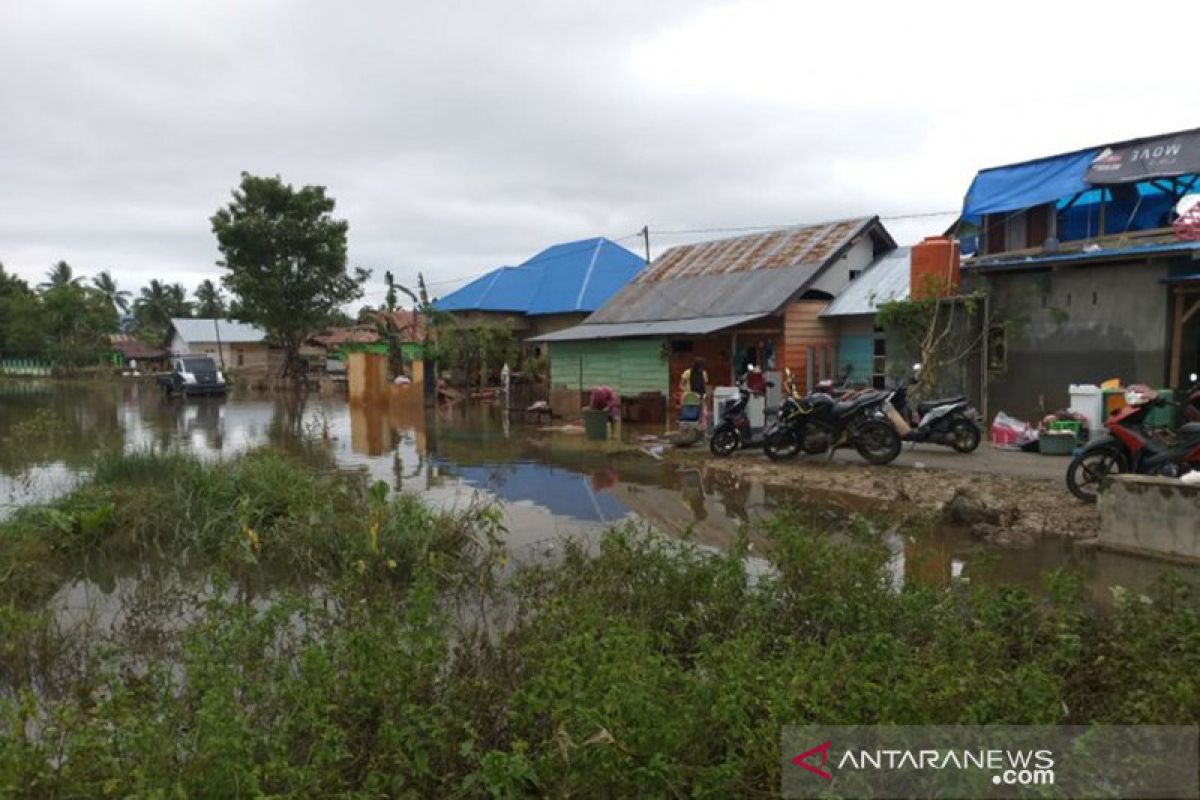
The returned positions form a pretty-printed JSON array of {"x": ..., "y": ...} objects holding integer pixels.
[
  {"x": 734, "y": 431},
  {"x": 818, "y": 423},
  {"x": 1129, "y": 447},
  {"x": 949, "y": 421}
]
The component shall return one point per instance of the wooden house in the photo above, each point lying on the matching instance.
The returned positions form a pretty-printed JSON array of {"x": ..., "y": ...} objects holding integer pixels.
[{"x": 750, "y": 299}]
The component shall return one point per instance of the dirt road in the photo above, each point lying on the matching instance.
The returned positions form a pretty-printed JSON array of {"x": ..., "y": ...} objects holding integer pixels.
[{"x": 1008, "y": 498}]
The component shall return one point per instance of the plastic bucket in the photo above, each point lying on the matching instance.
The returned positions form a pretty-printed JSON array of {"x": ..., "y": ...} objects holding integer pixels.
[{"x": 595, "y": 425}]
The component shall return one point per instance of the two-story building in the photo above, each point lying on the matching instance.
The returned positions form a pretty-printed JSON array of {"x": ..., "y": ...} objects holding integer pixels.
[{"x": 1087, "y": 259}]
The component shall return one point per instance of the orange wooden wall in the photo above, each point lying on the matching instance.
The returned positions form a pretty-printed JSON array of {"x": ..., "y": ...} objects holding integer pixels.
[{"x": 803, "y": 328}]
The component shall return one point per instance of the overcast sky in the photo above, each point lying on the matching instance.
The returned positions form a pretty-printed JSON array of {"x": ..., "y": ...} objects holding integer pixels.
[{"x": 460, "y": 136}]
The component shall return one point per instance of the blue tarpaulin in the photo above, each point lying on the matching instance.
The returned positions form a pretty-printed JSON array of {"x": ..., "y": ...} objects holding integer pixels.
[
  {"x": 1027, "y": 184},
  {"x": 564, "y": 278}
]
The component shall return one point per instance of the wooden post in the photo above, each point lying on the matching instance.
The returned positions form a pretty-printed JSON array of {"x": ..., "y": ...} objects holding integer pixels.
[{"x": 1177, "y": 340}]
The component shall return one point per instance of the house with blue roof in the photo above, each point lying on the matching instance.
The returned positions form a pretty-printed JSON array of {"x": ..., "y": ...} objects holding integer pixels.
[
  {"x": 555, "y": 289},
  {"x": 1096, "y": 258}
]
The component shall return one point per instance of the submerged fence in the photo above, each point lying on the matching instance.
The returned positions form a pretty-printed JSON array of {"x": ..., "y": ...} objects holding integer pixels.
[{"x": 24, "y": 366}]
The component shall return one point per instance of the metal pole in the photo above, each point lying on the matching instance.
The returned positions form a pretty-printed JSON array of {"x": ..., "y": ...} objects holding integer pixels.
[
  {"x": 220, "y": 353},
  {"x": 646, "y": 238}
]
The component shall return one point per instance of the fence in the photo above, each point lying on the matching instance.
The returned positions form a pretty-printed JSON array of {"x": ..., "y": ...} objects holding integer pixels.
[{"x": 24, "y": 366}]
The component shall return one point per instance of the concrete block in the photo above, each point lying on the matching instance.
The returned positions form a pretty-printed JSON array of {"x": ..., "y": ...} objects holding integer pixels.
[{"x": 1151, "y": 516}]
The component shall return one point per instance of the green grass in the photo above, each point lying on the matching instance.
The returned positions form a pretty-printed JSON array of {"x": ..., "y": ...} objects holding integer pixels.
[{"x": 650, "y": 668}]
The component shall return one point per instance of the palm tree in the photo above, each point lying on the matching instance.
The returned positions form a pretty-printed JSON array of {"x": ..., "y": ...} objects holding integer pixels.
[
  {"x": 60, "y": 274},
  {"x": 104, "y": 285},
  {"x": 153, "y": 306},
  {"x": 209, "y": 300},
  {"x": 179, "y": 304}
]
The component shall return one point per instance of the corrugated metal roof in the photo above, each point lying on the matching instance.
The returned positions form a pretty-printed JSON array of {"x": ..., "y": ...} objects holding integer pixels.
[
  {"x": 805, "y": 244},
  {"x": 204, "y": 330},
  {"x": 564, "y": 278},
  {"x": 1001, "y": 262},
  {"x": 695, "y": 326},
  {"x": 885, "y": 279},
  {"x": 753, "y": 274}
]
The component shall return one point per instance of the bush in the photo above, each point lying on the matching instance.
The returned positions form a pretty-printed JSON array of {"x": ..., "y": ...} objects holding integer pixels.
[{"x": 648, "y": 667}]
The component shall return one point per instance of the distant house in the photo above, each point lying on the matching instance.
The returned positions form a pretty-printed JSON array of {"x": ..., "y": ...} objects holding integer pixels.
[
  {"x": 555, "y": 289},
  {"x": 407, "y": 325},
  {"x": 233, "y": 345},
  {"x": 862, "y": 351},
  {"x": 136, "y": 354},
  {"x": 750, "y": 299},
  {"x": 1087, "y": 249}
]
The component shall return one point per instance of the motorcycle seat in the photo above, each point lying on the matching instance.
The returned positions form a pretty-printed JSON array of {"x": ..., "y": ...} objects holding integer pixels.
[{"x": 930, "y": 405}]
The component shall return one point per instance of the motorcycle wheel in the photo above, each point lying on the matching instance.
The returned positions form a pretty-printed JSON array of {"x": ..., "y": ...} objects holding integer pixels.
[
  {"x": 724, "y": 441},
  {"x": 878, "y": 443},
  {"x": 782, "y": 445},
  {"x": 1087, "y": 470},
  {"x": 965, "y": 436}
]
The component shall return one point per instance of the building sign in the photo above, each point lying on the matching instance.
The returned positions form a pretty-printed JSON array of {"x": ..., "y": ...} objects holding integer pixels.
[{"x": 1160, "y": 157}]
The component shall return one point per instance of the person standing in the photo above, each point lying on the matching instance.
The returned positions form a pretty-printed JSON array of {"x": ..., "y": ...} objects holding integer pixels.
[{"x": 694, "y": 381}]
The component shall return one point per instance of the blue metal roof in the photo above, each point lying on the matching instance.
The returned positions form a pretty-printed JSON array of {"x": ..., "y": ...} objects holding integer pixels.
[
  {"x": 564, "y": 278},
  {"x": 1105, "y": 253}
]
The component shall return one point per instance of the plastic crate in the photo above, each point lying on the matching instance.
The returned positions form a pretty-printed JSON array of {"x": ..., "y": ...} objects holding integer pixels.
[
  {"x": 1056, "y": 443},
  {"x": 1162, "y": 416},
  {"x": 1074, "y": 426}
]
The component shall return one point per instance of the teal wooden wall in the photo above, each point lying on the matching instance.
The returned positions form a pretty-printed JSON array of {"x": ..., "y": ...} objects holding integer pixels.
[
  {"x": 858, "y": 352},
  {"x": 629, "y": 366}
]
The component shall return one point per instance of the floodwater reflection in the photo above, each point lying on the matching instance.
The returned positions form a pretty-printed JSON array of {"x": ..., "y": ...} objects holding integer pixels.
[{"x": 550, "y": 482}]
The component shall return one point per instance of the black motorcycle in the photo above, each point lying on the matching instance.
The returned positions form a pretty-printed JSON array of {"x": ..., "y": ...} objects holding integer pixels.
[
  {"x": 734, "y": 431},
  {"x": 819, "y": 423}
]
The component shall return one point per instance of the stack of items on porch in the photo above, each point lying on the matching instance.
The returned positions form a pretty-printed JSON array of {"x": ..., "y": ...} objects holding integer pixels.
[{"x": 1061, "y": 432}]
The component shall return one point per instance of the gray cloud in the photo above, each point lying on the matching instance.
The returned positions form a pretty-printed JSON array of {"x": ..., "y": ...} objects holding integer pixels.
[{"x": 458, "y": 136}]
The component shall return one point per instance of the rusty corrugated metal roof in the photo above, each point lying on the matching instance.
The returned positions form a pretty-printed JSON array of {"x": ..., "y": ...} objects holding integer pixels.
[
  {"x": 807, "y": 244},
  {"x": 753, "y": 274}
]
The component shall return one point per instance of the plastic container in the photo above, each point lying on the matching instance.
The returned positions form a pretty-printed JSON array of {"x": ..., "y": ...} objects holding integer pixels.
[
  {"x": 1162, "y": 416},
  {"x": 1114, "y": 400},
  {"x": 1069, "y": 425},
  {"x": 595, "y": 425},
  {"x": 1056, "y": 443},
  {"x": 1086, "y": 399},
  {"x": 934, "y": 268}
]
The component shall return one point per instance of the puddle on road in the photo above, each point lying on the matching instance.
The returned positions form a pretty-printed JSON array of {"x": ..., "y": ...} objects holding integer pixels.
[{"x": 552, "y": 484}]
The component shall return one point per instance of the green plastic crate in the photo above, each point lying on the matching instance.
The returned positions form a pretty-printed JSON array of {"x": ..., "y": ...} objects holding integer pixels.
[
  {"x": 1056, "y": 443},
  {"x": 1162, "y": 416},
  {"x": 1067, "y": 425}
]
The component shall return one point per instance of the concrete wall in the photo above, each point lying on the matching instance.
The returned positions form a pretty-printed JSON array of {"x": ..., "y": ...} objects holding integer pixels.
[
  {"x": 1079, "y": 324},
  {"x": 1153, "y": 516},
  {"x": 837, "y": 277},
  {"x": 248, "y": 356}
]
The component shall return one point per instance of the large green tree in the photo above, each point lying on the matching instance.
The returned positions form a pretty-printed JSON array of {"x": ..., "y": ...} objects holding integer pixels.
[
  {"x": 285, "y": 256},
  {"x": 209, "y": 300},
  {"x": 76, "y": 322},
  {"x": 20, "y": 311}
]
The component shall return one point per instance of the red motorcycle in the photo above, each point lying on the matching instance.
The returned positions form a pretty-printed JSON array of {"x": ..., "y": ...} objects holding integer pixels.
[{"x": 1130, "y": 447}]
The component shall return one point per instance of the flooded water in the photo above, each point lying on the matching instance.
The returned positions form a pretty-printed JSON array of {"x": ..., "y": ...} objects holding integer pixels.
[{"x": 552, "y": 484}]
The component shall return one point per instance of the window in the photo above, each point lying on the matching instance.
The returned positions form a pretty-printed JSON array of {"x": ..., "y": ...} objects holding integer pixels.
[
  {"x": 854, "y": 273},
  {"x": 997, "y": 348},
  {"x": 241, "y": 358},
  {"x": 681, "y": 346},
  {"x": 1095, "y": 297}
]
